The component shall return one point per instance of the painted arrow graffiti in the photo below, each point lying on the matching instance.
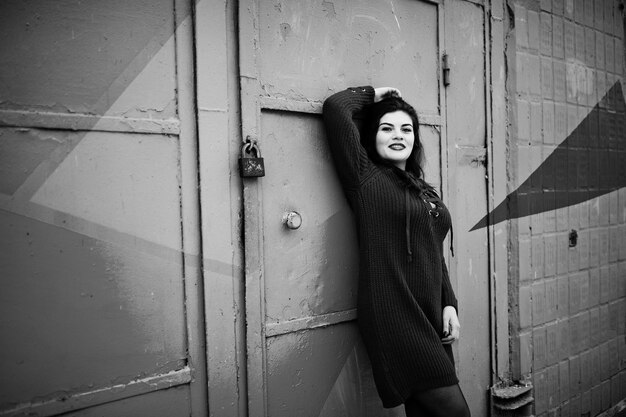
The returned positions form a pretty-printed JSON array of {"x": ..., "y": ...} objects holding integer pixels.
[{"x": 589, "y": 163}]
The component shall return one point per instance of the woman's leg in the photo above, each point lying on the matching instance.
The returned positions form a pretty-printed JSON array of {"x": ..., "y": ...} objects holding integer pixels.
[
  {"x": 413, "y": 409},
  {"x": 438, "y": 402}
]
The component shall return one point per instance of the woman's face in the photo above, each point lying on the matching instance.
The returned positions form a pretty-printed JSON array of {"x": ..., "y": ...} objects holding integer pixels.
[{"x": 395, "y": 138}]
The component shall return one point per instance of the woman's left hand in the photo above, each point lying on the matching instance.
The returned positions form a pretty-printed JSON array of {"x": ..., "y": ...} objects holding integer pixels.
[
  {"x": 381, "y": 92},
  {"x": 451, "y": 325}
]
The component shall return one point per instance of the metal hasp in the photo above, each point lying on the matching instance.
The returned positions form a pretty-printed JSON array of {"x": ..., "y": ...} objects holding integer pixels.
[
  {"x": 445, "y": 67},
  {"x": 479, "y": 160},
  {"x": 512, "y": 401},
  {"x": 251, "y": 164}
]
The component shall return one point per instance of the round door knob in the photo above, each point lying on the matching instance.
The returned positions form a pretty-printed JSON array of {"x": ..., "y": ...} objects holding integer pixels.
[{"x": 292, "y": 220}]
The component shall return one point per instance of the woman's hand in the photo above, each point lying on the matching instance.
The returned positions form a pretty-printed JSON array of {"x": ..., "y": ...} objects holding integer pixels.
[
  {"x": 379, "y": 93},
  {"x": 451, "y": 326}
]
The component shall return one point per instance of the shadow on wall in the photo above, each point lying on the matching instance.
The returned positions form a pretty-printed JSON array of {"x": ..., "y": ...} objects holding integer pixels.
[{"x": 587, "y": 164}]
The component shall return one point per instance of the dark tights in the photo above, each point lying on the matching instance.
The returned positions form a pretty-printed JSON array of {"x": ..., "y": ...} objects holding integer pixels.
[{"x": 437, "y": 402}]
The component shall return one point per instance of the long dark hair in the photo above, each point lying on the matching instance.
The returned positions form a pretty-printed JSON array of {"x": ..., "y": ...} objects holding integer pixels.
[{"x": 390, "y": 103}]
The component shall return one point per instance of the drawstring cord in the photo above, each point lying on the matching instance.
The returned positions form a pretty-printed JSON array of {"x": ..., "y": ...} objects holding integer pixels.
[
  {"x": 407, "y": 223},
  {"x": 451, "y": 240}
]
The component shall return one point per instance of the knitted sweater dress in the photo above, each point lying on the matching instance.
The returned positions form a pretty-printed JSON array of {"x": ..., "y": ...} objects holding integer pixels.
[{"x": 403, "y": 279}]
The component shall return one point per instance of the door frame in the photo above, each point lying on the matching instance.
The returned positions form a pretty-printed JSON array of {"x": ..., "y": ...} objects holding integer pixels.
[
  {"x": 252, "y": 102},
  {"x": 217, "y": 93},
  {"x": 497, "y": 138},
  {"x": 254, "y": 277},
  {"x": 188, "y": 138},
  {"x": 495, "y": 25}
]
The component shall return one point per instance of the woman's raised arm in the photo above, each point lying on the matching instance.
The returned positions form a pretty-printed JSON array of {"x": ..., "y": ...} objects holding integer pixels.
[{"x": 343, "y": 135}]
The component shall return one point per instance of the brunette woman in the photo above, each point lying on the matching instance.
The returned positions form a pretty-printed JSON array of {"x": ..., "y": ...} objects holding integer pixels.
[{"x": 407, "y": 310}]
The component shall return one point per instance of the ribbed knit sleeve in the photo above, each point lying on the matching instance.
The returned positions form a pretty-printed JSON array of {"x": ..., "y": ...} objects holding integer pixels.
[
  {"x": 343, "y": 135},
  {"x": 447, "y": 293}
]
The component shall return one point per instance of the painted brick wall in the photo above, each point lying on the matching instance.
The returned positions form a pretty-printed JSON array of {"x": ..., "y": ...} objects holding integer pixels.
[{"x": 568, "y": 321}]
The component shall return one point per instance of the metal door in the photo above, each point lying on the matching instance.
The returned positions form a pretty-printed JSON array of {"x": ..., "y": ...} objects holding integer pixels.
[
  {"x": 99, "y": 259},
  {"x": 466, "y": 128},
  {"x": 305, "y": 356}
]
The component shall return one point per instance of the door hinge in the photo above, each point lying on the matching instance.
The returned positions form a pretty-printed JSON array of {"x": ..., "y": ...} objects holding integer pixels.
[{"x": 445, "y": 67}]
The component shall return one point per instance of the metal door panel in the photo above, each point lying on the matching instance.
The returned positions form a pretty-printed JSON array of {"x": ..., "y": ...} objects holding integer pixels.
[
  {"x": 303, "y": 368},
  {"x": 84, "y": 312},
  {"x": 343, "y": 386},
  {"x": 311, "y": 270},
  {"x": 466, "y": 45},
  {"x": 105, "y": 308},
  {"x": 466, "y": 128},
  {"x": 76, "y": 57},
  {"x": 108, "y": 179},
  {"x": 99, "y": 302},
  {"x": 472, "y": 278},
  {"x": 309, "y": 48}
]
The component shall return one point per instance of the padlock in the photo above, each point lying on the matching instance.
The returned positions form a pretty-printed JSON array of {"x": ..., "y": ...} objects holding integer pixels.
[{"x": 251, "y": 163}]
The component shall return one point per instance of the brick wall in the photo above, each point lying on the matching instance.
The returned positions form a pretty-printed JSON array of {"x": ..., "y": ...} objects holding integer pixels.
[{"x": 569, "y": 308}]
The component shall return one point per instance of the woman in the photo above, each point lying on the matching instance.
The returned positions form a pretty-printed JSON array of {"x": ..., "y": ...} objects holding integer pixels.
[{"x": 406, "y": 305}]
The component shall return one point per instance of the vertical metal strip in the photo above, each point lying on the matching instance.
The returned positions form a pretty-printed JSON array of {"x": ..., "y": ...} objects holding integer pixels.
[
  {"x": 447, "y": 171},
  {"x": 496, "y": 168},
  {"x": 189, "y": 206},
  {"x": 217, "y": 100},
  {"x": 252, "y": 213},
  {"x": 445, "y": 174},
  {"x": 493, "y": 346}
]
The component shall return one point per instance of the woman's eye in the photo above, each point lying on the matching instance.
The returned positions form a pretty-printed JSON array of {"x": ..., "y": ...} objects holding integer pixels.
[
  {"x": 407, "y": 130},
  {"x": 386, "y": 129}
]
